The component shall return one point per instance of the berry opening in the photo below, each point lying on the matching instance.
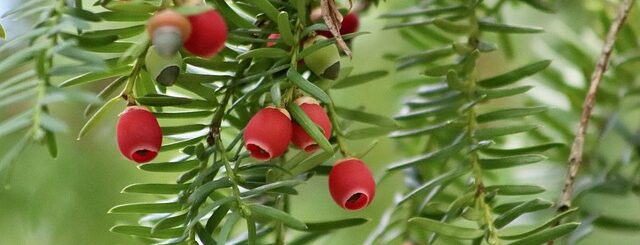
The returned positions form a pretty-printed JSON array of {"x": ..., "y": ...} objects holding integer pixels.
[
  {"x": 311, "y": 147},
  {"x": 356, "y": 201},
  {"x": 144, "y": 155},
  {"x": 258, "y": 152}
]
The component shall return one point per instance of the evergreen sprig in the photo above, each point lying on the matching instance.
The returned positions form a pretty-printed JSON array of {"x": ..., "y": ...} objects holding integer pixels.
[
  {"x": 202, "y": 117},
  {"x": 460, "y": 121}
]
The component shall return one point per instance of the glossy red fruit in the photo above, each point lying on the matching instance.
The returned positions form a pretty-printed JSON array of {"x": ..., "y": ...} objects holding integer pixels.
[
  {"x": 139, "y": 134},
  {"x": 273, "y": 36},
  {"x": 209, "y": 32},
  {"x": 268, "y": 133},
  {"x": 316, "y": 113},
  {"x": 351, "y": 184},
  {"x": 350, "y": 24}
]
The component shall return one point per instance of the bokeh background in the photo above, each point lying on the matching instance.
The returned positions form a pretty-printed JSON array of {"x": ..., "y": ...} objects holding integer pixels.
[{"x": 65, "y": 200}]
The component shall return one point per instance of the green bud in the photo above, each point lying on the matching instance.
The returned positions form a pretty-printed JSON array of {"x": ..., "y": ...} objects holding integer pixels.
[
  {"x": 164, "y": 70},
  {"x": 324, "y": 62}
]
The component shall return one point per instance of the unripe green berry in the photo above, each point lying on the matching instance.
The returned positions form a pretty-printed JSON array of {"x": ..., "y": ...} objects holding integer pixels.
[
  {"x": 324, "y": 62},
  {"x": 163, "y": 70}
]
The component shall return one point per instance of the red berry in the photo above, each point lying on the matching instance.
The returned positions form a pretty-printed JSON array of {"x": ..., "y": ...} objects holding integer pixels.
[
  {"x": 139, "y": 134},
  {"x": 268, "y": 133},
  {"x": 351, "y": 184},
  {"x": 350, "y": 24},
  {"x": 316, "y": 113},
  {"x": 273, "y": 36},
  {"x": 208, "y": 35}
]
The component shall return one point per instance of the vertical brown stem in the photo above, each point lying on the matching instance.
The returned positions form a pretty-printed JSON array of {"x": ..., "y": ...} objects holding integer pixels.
[{"x": 577, "y": 148}]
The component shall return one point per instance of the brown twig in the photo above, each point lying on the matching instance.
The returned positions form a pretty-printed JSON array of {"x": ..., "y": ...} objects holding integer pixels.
[
  {"x": 577, "y": 148},
  {"x": 575, "y": 157}
]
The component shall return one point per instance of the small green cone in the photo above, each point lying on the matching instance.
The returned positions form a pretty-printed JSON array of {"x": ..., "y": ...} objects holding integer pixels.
[
  {"x": 164, "y": 70},
  {"x": 324, "y": 62}
]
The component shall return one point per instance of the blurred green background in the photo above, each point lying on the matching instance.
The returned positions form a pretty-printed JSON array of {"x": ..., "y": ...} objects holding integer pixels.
[{"x": 65, "y": 201}]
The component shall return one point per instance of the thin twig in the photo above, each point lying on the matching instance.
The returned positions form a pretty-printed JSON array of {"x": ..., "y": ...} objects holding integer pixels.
[{"x": 575, "y": 157}]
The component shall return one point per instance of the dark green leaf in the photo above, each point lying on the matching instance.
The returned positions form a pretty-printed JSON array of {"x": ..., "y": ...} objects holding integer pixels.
[
  {"x": 366, "y": 133},
  {"x": 451, "y": 27},
  {"x": 226, "y": 229},
  {"x": 446, "y": 229},
  {"x": 527, "y": 207},
  {"x": 547, "y": 235},
  {"x": 358, "y": 79},
  {"x": 509, "y": 162},
  {"x": 433, "y": 156},
  {"x": 501, "y": 93},
  {"x": 312, "y": 162},
  {"x": 491, "y": 133},
  {"x": 131, "y": 7},
  {"x": 423, "y": 57},
  {"x": 284, "y": 27},
  {"x": 425, "y": 11},
  {"x": 95, "y": 119},
  {"x": 123, "y": 16},
  {"x": 514, "y": 75},
  {"x": 364, "y": 117},
  {"x": 124, "y": 32},
  {"x": 307, "y": 86},
  {"x": 510, "y": 113},
  {"x": 617, "y": 223},
  {"x": 542, "y": 5},
  {"x": 146, "y": 208},
  {"x": 272, "y": 53},
  {"x": 162, "y": 100},
  {"x": 504, "y": 28},
  {"x": 422, "y": 131},
  {"x": 52, "y": 144},
  {"x": 173, "y": 220},
  {"x": 446, "y": 177},
  {"x": 206, "y": 189},
  {"x": 211, "y": 64},
  {"x": 278, "y": 215},
  {"x": 92, "y": 77},
  {"x": 423, "y": 113},
  {"x": 267, "y": 8},
  {"x": 183, "y": 114},
  {"x": 541, "y": 227},
  {"x": 334, "y": 225},
  {"x": 170, "y": 166},
  {"x": 218, "y": 214},
  {"x": 520, "y": 151},
  {"x": 510, "y": 190},
  {"x": 271, "y": 186},
  {"x": 82, "y": 14},
  {"x": 155, "y": 188},
  {"x": 229, "y": 14}
]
